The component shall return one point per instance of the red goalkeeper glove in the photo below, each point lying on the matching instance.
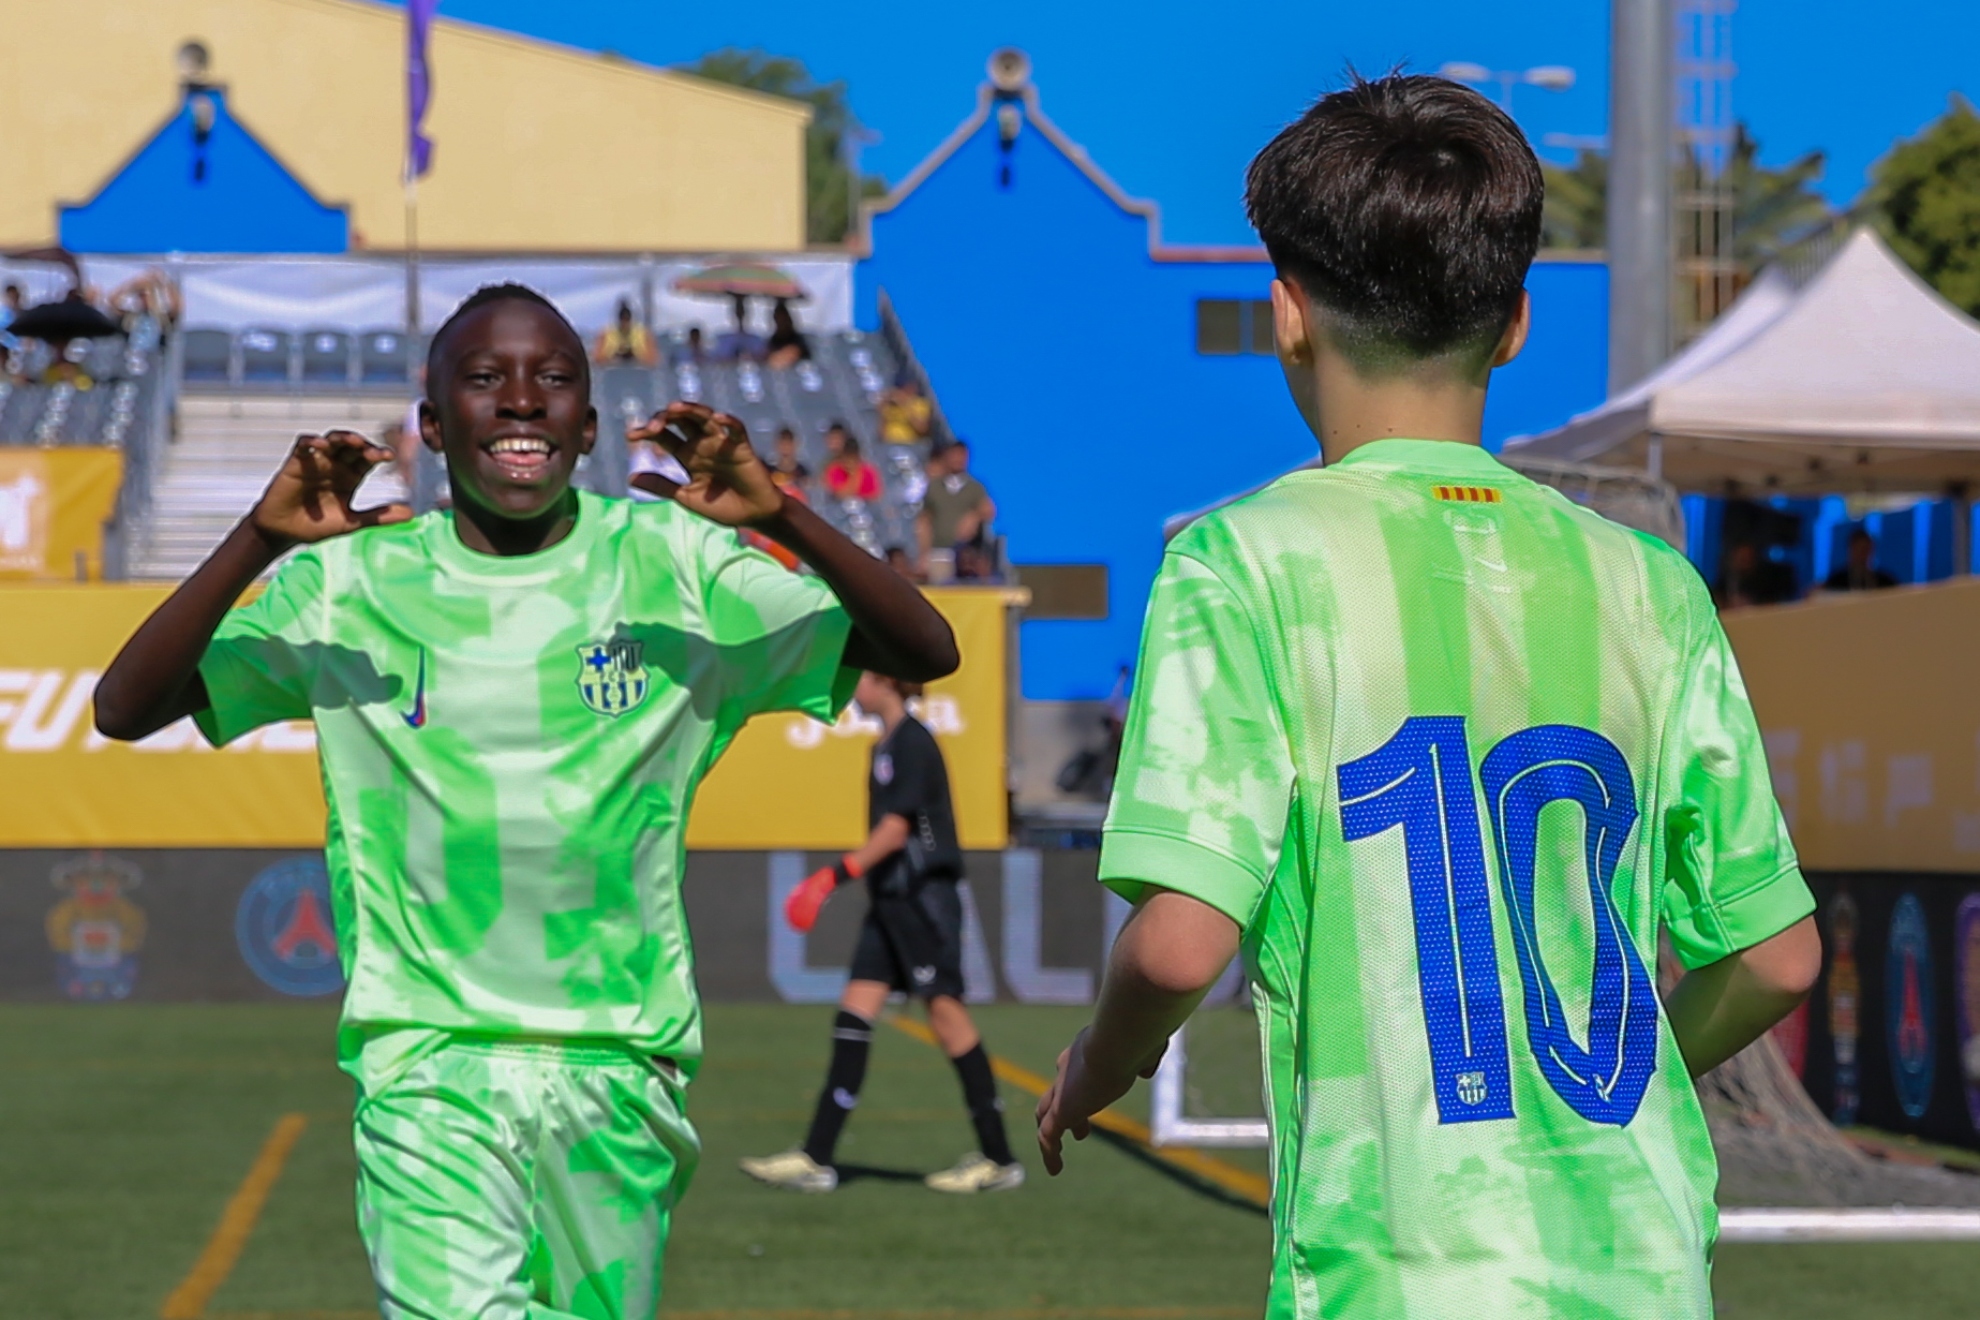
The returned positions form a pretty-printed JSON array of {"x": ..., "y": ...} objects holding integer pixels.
[{"x": 802, "y": 907}]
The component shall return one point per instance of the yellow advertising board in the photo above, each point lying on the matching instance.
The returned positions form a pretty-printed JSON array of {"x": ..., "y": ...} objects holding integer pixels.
[
  {"x": 1871, "y": 713},
  {"x": 786, "y": 782},
  {"x": 52, "y": 506}
]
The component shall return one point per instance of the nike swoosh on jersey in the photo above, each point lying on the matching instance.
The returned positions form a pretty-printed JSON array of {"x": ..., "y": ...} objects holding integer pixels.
[{"x": 416, "y": 717}]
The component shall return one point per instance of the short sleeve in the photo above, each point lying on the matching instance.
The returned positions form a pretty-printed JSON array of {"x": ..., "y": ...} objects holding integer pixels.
[
  {"x": 1206, "y": 777},
  {"x": 261, "y": 665},
  {"x": 782, "y": 634},
  {"x": 1732, "y": 879},
  {"x": 904, "y": 790}
]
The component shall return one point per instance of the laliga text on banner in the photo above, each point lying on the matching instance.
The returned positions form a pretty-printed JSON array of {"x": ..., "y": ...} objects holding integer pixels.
[{"x": 48, "y": 710}]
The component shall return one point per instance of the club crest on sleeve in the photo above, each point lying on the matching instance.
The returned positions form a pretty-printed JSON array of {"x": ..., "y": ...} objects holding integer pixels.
[
  {"x": 883, "y": 768},
  {"x": 611, "y": 676}
]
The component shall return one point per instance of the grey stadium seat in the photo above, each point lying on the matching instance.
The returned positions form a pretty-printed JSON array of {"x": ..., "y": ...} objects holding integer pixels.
[
  {"x": 326, "y": 357},
  {"x": 208, "y": 355},
  {"x": 382, "y": 357},
  {"x": 265, "y": 357}
]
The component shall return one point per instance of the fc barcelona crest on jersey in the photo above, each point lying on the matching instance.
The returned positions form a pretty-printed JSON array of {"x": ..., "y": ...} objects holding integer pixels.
[{"x": 611, "y": 678}]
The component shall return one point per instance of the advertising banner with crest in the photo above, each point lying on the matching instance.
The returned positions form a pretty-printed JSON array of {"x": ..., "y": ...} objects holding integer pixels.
[
  {"x": 52, "y": 506},
  {"x": 786, "y": 782}
]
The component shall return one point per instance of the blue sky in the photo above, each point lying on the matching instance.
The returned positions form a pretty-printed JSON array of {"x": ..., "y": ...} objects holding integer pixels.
[{"x": 1173, "y": 98}]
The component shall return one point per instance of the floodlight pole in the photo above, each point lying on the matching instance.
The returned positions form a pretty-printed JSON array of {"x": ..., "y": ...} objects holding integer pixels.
[{"x": 1642, "y": 155}]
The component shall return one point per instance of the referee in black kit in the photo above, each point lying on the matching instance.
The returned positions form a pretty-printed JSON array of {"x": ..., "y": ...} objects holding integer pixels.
[{"x": 911, "y": 941}]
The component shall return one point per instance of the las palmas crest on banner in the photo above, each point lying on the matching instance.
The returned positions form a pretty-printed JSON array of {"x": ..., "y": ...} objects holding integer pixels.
[
  {"x": 96, "y": 931},
  {"x": 611, "y": 676}
]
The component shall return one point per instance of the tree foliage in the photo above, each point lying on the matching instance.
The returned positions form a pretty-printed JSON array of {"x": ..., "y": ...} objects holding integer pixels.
[
  {"x": 1774, "y": 211},
  {"x": 827, "y": 171},
  {"x": 1925, "y": 197}
]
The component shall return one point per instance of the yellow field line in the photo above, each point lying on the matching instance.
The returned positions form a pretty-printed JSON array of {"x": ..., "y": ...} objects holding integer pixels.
[
  {"x": 1239, "y": 1182},
  {"x": 188, "y": 1300}
]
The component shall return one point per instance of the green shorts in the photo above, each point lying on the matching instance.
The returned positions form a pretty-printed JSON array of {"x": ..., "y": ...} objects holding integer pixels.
[{"x": 505, "y": 1180}]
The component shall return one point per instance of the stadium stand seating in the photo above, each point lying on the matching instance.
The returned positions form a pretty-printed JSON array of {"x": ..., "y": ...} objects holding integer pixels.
[{"x": 335, "y": 372}]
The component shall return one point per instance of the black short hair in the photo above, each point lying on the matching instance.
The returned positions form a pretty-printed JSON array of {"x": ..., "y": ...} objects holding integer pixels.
[
  {"x": 492, "y": 293},
  {"x": 1409, "y": 207}
]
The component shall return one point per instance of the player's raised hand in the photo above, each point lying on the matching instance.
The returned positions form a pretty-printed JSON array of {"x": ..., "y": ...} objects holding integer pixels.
[
  {"x": 727, "y": 483},
  {"x": 310, "y": 498}
]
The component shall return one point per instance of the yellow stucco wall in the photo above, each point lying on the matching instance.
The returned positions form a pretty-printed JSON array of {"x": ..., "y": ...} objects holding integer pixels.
[{"x": 537, "y": 147}]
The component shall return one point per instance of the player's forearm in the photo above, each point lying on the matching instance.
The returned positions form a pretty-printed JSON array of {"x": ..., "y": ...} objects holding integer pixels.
[
  {"x": 1719, "y": 1009},
  {"x": 155, "y": 679},
  {"x": 887, "y": 838},
  {"x": 1171, "y": 951},
  {"x": 896, "y": 631}
]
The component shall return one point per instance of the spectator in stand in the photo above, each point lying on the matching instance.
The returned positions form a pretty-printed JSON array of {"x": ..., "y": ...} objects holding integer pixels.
[
  {"x": 150, "y": 293},
  {"x": 694, "y": 352},
  {"x": 905, "y": 413},
  {"x": 787, "y": 469},
  {"x": 741, "y": 342},
  {"x": 1750, "y": 578},
  {"x": 625, "y": 342},
  {"x": 956, "y": 512},
  {"x": 12, "y": 304},
  {"x": 787, "y": 346},
  {"x": 848, "y": 476},
  {"x": 1861, "y": 572},
  {"x": 897, "y": 559}
]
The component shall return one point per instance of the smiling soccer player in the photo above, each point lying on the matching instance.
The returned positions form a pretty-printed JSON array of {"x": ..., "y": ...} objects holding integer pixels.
[{"x": 515, "y": 701}]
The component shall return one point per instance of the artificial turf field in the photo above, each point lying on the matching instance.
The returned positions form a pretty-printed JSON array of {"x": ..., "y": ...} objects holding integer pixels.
[{"x": 129, "y": 1130}]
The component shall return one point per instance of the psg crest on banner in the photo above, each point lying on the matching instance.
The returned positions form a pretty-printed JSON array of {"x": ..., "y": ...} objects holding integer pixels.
[
  {"x": 1845, "y": 994},
  {"x": 1908, "y": 993},
  {"x": 1966, "y": 977},
  {"x": 611, "y": 678},
  {"x": 96, "y": 931},
  {"x": 284, "y": 928}
]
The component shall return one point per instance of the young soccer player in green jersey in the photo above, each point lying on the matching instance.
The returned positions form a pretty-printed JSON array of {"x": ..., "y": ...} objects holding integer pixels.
[
  {"x": 1440, "y": 751},
  {"x": 515, "y": 701}
]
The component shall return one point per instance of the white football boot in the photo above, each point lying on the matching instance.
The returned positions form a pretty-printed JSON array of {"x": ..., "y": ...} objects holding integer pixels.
[
  {"x": 793, "y": 1170},
  {"x": 977, "y": 1173}
]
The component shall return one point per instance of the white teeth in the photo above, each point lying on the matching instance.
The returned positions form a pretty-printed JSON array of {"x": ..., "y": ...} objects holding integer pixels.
[{"x": 519, "y": 445}]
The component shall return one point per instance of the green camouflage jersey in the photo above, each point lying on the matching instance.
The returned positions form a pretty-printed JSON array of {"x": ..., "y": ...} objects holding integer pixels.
[
  {"x": 510, "y": 747},
  {"x": 1449, "y": 748}
]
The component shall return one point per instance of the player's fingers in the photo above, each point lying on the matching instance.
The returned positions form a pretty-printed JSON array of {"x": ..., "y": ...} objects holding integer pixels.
[
  {"x": 731, "y": 427},
  {"x": 383, "y": 515}
]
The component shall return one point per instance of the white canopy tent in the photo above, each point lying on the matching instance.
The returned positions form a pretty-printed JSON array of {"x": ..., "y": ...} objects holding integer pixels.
[{"x": 1864, "y": 380}]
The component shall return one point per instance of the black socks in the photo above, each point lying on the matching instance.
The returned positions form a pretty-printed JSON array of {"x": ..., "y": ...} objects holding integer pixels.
[
  {"x": 986, "y": 1111},
  {"x": 852, "y": 1041}
]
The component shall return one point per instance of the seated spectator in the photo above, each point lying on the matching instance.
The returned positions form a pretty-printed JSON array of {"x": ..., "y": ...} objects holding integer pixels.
[
  {"x": 625, "y": 342},
  {"x": 956, "y": 512},
  {"x": 12, "y": 303},
  {"x": 1750, "y": 578},
  {"x": 1861, "y": 572},
  {"x": 786, "y": 469},
  {"x": 897, "y": 559},
  {"x": 694, "y": 351},
  {"x": 741, "y": 342},
  {"x": 905, "y": 413},
  {"x": 848, "y": 476},
  {"x": 787, "y": 346}
]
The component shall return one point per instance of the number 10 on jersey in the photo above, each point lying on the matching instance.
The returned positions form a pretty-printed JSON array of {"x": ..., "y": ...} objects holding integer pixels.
[{"x": 1420, "y": 780}]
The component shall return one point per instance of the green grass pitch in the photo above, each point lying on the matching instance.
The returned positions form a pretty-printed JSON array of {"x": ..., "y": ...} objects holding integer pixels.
[{"x": 128, "y": 1129}]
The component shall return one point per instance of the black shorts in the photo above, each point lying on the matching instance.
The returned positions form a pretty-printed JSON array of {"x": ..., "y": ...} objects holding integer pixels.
[{"x": 913, "y": 942}]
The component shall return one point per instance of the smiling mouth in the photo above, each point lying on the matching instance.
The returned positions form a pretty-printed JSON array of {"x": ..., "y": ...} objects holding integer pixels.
[{"x": 521, "y": 456}]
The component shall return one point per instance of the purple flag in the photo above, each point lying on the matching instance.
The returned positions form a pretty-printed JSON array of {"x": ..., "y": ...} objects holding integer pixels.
[{"x": 419, "y": 85}]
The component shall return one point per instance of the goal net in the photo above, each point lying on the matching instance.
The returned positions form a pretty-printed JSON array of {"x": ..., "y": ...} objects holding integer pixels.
[{"x": 1785, "y": 1172}]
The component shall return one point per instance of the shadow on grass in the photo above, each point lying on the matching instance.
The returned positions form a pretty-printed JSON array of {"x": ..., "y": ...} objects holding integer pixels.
[
  {"x": 858, "y": 1172},
  {"x": 1181, "y": 1177}
]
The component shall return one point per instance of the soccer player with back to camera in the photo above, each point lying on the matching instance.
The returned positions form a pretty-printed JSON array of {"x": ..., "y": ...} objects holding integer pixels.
[
  {"x": 911, "y": 941},
  {"x": 1439, "y": 751},
  {"x": 514, "y": 702}
]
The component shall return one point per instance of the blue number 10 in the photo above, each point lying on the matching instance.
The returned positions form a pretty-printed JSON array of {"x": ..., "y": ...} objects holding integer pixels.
[{"x": 1421, "y": 780}]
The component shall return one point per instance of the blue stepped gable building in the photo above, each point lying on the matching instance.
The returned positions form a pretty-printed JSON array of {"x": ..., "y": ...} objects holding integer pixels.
[
  {"x": 204, "y": 183},
  {"x": 1108, "y": 379}
]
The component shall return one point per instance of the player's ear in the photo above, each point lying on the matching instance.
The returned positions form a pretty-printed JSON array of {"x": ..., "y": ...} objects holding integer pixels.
[
  {"x": 1292, "y": 329},
  {"x": 429, "y": 427},
  {"x": 1514, "y": 337},
  {"x": 589, "y": 434}
]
